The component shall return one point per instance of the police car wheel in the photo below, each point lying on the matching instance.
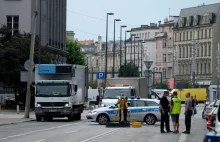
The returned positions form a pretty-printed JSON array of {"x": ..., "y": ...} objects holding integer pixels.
[
  {"x": 103, "y": 119},
  {"x": 150, "y": 119}
]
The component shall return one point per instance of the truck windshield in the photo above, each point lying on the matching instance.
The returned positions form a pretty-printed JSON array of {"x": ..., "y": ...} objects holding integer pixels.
[
  {"x": 52, "y": 90},
  {"x": 115, "y": 93}
]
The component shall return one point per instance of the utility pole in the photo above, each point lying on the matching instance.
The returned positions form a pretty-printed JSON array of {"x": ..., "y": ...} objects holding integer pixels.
[
  {"x": 218, "y": 70},
  {"x": 30, "y": 67},
  {"x": 194, "y": 48},
  {"x": 174, "y": 65}
]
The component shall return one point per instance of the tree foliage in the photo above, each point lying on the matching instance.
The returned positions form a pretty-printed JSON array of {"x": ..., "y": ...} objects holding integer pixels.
[
  {"x": 76, "y": 56},
  {"x": 14, "y": 51},
  {"x": 129, "y": 70}
]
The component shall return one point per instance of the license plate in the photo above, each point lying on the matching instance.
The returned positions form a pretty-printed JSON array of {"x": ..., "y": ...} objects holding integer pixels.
[{"x": 52, "y": 110}]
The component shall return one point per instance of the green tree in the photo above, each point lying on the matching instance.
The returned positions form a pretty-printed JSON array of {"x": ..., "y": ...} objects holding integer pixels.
[
  {"x": 130, "y": 70},
  {"x": 76, "y": 56}
]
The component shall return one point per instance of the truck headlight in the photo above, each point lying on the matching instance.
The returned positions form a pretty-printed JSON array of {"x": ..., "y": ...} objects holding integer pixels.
[
  {"x": 37, "y": 105},
  {"x": 103, "y": 105},
  {"x": 67, "y": 105}
]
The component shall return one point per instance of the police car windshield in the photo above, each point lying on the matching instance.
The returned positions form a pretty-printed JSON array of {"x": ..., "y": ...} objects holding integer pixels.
[{"x": 115, "y": 93}]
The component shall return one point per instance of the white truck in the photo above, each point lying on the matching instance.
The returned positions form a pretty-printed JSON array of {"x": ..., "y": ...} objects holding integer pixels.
[
  {"x": 132, "y": 86},
  {"x": 61, "y": 91}
]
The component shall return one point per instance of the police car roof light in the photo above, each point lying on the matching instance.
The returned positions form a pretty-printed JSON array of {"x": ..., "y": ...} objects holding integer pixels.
[
  {"x": 138, "y": 97},
  {"x": 132, "y": 97}
]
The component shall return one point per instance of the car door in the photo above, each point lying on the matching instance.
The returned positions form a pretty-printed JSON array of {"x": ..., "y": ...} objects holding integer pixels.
[
  {"x": 137, "y": 110},
  {"x": 154, "y": 108}
]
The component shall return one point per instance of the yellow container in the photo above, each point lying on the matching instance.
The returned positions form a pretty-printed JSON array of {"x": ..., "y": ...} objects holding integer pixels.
[{"x": 136, "y": 124}]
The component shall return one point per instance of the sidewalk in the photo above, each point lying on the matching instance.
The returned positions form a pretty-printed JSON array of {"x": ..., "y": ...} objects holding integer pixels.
[{"x": 11, "y": 117}]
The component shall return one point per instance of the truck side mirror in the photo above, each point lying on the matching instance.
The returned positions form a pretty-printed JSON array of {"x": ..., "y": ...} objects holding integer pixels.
[{"x": 75, "y": 88}]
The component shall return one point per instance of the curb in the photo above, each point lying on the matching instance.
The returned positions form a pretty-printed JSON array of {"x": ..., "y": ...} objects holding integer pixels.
[{"x": 13, "y": 123}]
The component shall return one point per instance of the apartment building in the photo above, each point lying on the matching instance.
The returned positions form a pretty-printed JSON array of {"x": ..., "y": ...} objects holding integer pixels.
[
  {"x": 51, "y": 23},
  {"x": 146, "y": 34},
  {"x": 197, "y": 23},
  {"x": 164, "y": 48}
]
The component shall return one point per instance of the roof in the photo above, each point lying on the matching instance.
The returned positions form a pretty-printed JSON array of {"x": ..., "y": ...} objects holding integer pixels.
[{"x": 200, "y": 10}]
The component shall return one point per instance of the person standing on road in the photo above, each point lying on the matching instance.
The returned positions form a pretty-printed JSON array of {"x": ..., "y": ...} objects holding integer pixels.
[
  {"x": 188, "y": 113},
  {"x": 164, "y": 109},
  {"x": 175, "y": 111}
]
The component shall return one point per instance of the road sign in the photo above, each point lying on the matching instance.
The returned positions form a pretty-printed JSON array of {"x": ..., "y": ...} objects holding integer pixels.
[
  {"x": 171, "y": 82},
  {"x": 26, "y": 64},
  {"x": 100, "y": 75},
  {"x": 180, "y": 86}
]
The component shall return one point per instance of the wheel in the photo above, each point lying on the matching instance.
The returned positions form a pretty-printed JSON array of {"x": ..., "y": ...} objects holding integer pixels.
[
  {"x": 150, "y": 119},
  {"x": 102, "y": 119},
  {"x": 70, "y": 118},
  {"x": 38, "y": 118},
  {"x": 78, "y": 116}
]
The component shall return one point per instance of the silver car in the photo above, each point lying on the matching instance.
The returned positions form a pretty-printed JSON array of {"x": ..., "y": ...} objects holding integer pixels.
[
  {"x": 207, "y": 110},
  {"x": 142, "y": 110}
]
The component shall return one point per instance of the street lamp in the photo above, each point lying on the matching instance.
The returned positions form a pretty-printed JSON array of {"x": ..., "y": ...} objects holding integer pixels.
[
  {"x": 142, "y": 57},
  {"x": 113, "y": 69},
  {"x": 134, "y": 50},
  {"x": 147, "y": 73},
  {"x": 125, "y": 62},
  {"x": 106, "y": 46},
  {"x": 121, "y": 41}
]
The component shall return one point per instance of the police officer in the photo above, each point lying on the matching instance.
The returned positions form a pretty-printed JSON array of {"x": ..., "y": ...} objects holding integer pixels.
[
  {"x": 164, "y": 109},
  {"x": 175, "y": 111},
  {"x": 123, "y": 106}
]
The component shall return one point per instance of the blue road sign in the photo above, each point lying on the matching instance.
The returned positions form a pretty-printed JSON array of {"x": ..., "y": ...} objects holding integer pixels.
[
  {"x": 100, "y": 75},
  {"x": 180, "y": 86}
]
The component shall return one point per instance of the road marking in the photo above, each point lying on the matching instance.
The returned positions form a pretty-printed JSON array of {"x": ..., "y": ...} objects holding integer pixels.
[
  {"x": 42, "y": 130},
  {"x": 40, "y": 140},
  {"x": 71, "y": 132},
  {"x": 101, "y": 135},
  {"x": 182, "y": 138}
]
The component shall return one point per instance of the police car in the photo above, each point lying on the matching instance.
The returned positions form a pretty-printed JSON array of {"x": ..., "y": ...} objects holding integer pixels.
[{"x": 141, "y": 110}]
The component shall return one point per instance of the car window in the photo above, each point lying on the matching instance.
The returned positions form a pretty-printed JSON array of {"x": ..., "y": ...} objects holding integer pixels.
[
  {"x": 211, "y": 104},
  {"x": 151, "y": 103},
  {"x": 139, "y": 103},
  {"x": 217, "y": 103}
]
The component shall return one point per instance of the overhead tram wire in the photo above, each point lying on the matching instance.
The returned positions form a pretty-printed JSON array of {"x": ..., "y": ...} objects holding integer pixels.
[{"x": 99, "y": 18}]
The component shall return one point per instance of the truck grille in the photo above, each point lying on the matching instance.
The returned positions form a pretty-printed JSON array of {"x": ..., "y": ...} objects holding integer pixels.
[{"x": 47, "y": 104}]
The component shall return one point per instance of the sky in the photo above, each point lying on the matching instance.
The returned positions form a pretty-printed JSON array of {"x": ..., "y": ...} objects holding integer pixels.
[{"x": 87, "y": 18}]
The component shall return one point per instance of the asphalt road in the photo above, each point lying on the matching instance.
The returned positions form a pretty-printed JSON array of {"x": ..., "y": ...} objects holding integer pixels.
[{"x": 84, "y": 131}]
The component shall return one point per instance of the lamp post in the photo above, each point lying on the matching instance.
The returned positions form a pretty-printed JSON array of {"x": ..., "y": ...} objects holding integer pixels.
[
  {"x": 135, "y": 51},
  {"x": 142, "y": 57},
  {"x": 121, "y": 41},
  {"x": 106, "y": 46},
  {"x": 125, "y": 62},
  {"x": 147, "y": 73},
  {"x": 113, "y": 69}
]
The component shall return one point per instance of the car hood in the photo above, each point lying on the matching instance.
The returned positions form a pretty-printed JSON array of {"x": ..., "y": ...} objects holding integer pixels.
[
  {"x": 100, "y": 109},
  {"x": 109, "y": 102}
]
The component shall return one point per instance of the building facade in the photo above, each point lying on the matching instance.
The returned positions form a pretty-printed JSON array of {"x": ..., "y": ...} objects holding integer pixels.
[
  {"x": 51, "y": 23},
  {"x": 144, "y": 43},
  {"x": 70, "y": 35},
  {"x": 196, "y": 24},
  {"x": 164, "y": 49}
]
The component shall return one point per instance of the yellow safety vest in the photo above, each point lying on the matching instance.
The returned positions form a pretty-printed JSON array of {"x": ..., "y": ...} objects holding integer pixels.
[
  {"x": 122, "y": 104},
  {"x": 176, "y": 106}
]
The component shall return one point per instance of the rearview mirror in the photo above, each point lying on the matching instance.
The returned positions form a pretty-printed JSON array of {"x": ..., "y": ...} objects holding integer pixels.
[{"x": 75, "y": 88}]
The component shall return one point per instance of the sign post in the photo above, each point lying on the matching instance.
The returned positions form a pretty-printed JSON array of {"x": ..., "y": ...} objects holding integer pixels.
[
  {"x": 180, "y": 86},
  {"x": 100, "y": 79}
]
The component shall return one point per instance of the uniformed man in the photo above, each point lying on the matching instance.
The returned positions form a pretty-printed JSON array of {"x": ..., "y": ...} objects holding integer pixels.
[
  {"x": 164, "y": 109},
  {"x": 175, "y": 111},
  {"x": 123, "y": 106}
]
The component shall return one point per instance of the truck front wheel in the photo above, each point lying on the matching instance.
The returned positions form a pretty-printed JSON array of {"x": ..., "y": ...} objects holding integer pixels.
[
  {"x": 78, "y": 116},
  {"x": 70, "y": 118},
  {"x": 38, "y": 118}
]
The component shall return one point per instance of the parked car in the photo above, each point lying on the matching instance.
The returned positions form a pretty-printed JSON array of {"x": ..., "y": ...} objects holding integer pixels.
[
  {"x": 207, "y": 109},
  {"x": 214, "y": 132}
]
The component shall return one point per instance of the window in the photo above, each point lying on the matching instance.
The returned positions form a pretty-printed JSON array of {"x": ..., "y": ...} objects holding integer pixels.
[
  {"x": 206, "y": 33},
  {"x": 164, "y": 58},
  {"x": 151, "y": 103},
  {"x": 201, "y": 33},
  {"x": 170, "y": 28},
  {"x": 164, "y": 73},
  {"x": 145, "y": 35},
  {"x": 205, "y": 51},
  {"x": 209, "y": 50},
  {"x": 13, "y": 24},
  {"x": 164, "y": 43},
  {"x": 148, "y": 35},
  {"x": 183, "y": 36},
  {"x": 142, "y": 35},
  {"x": 180, "y": 53},
  {"x": 191, "y": 35},
  {"x": 139, "y": 103}
]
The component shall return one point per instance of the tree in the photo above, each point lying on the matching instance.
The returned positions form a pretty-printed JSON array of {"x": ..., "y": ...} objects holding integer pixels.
[
  {"x": 76, "y": 56},
  {"x": 130, "y": 70}
]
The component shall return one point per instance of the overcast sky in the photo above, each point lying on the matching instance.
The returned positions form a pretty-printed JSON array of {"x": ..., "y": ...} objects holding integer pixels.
[{"x": 87, "y": 18}]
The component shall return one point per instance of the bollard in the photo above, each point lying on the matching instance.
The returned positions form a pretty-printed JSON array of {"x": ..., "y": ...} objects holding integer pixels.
[{"x": 18, "y": 109}]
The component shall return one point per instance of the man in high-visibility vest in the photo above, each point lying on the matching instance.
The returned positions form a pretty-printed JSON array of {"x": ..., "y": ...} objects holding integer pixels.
[
  {"x": 122, "y": 106},
  {"x": 175, "y": 111}
]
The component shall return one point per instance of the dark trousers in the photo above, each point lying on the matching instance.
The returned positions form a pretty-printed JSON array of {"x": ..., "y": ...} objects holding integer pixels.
[
  {"x": 165, "y": 119},
  {"x": 188, "y": 117},
  {"x": 125, "y": 114}
]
